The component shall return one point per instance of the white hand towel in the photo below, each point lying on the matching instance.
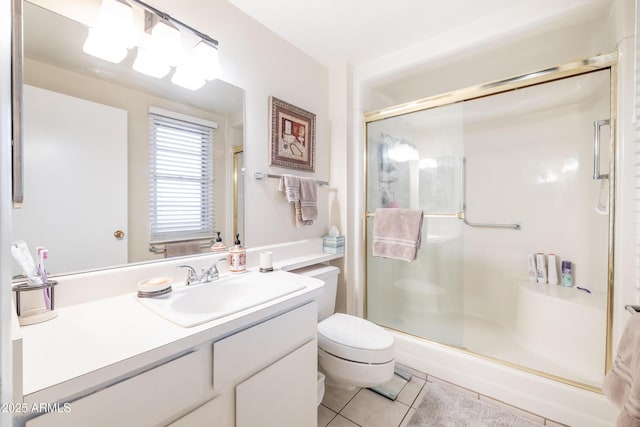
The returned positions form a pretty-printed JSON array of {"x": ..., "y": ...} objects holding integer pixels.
[
  {"x": 290, "y": 185},
  {"x": 309, "y": 199}
]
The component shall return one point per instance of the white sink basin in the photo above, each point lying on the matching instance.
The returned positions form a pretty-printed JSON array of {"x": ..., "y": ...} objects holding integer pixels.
[{"x": 192, "y": 305}]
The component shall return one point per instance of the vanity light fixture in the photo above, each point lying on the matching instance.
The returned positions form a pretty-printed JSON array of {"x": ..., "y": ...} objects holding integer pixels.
[
  {"x": 159, "y": 47},
  {"x": 114, "y": 32}
]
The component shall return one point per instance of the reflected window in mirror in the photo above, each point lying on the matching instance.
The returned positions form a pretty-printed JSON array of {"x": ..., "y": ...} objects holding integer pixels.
[{"x": 182, "y": 159}]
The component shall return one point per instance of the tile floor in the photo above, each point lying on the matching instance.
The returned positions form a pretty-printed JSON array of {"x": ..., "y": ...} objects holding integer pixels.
[{"x": 365, "y": 408}]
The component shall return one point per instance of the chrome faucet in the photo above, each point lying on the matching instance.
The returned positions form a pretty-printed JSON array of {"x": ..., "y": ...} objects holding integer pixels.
[{"x": 209, "y": 275}]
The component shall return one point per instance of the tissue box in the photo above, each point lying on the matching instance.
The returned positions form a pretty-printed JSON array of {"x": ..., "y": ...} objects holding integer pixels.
[{"x": 333, "y": 244}]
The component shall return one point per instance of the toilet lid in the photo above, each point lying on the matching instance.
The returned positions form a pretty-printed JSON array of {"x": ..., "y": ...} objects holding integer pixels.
[{"x": 355, "y": 339}]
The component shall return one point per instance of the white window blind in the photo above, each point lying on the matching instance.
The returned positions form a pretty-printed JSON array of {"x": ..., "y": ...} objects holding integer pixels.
[{"x": 181, "y": 171}]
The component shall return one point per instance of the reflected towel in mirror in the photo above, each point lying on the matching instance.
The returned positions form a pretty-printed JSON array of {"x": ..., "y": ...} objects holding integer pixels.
[{"x": 181, "y": 249}]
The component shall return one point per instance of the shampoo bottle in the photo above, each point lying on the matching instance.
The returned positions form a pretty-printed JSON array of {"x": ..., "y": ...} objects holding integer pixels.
[
  {"x": 532, "y": 268},
  {"x": 541, "y": 268},
  {"x": 567, "y": 273},
  {"x": 237, "y": 257},
  {"x": 552, "y": 270}
]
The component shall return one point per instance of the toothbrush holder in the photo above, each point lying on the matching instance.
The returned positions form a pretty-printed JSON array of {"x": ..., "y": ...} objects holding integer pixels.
[{"x": 36, "y": 315}]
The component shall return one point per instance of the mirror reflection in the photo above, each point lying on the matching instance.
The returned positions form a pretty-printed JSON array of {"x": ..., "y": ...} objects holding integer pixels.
[{"x": 90, "y": 175}]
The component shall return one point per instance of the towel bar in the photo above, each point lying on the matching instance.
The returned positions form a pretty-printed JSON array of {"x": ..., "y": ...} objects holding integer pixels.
[
  {"x": 157, "y": 250},
  {"x": 261, "y": 175}
]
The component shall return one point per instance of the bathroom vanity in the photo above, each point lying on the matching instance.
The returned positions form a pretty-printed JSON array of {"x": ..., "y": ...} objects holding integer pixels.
[{"x": 112, "y": 361}]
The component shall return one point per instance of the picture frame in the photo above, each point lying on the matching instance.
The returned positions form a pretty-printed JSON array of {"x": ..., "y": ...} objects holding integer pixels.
[{"x": 292, "y": 136}]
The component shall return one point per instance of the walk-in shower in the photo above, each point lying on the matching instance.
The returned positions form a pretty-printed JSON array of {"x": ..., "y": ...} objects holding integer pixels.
[{"x": 501, "y": 171}]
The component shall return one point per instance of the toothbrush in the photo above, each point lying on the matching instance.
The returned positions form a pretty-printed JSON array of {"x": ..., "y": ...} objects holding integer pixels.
[
  {"x": 39, "y": 260},
  {"x": 43, "y": 255},
  {"x": 20, "y": 252}
]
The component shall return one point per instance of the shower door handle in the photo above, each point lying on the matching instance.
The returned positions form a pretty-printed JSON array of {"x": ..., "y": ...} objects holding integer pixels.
[{"x": 596, "y": 149}]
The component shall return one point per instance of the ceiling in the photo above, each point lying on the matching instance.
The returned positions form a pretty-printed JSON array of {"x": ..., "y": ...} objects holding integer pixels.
[{"x": 352, "y": 31}]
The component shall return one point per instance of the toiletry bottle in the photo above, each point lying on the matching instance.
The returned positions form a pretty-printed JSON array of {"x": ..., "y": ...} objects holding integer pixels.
[
  {"x": 567, "y": 273},
  {"x": 541, "y": 268},
  {"x": 532, "y": 268},
  {"x": 552, "y": 270},
  {"x": 237, "y": 257},
  {"x": 218, "y": 246}
]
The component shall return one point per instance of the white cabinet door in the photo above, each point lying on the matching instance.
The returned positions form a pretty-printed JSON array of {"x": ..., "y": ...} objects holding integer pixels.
[{"x": 283, "y": 394}]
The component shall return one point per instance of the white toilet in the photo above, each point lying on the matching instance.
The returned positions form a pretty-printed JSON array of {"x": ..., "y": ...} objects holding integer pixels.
[{"x": 352, "y": 352}]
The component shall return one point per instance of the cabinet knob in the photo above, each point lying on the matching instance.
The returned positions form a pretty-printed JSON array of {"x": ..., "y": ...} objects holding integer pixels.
[{"x": 118, "y": 234}]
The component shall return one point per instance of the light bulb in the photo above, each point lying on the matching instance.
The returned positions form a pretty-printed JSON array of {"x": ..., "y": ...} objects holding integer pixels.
[
  {"x": 166, "y": 40},
  {"x": 187, "y": 77},
  {"x": 205, "y": 58},
  {"x": 113, "y": 33},
  {"x": 149, "y": 63}
]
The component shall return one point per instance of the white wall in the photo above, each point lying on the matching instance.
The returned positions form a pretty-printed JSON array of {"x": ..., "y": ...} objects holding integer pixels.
[{"x": 261, "y": 63}]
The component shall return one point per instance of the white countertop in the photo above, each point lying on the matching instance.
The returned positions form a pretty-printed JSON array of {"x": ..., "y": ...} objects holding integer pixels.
[{"x": 90, "y": 344}]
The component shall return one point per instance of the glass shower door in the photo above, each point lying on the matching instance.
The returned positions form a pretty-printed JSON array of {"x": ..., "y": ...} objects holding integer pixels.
[
  {"x": 415, "y": 162},
  {"x": 499, "y": 178}
]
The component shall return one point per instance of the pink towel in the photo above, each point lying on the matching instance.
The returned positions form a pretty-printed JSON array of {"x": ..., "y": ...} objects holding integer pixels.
[
  {"x": 397, "y": 233},
  {"x": 291, "y": 186},
  {"x": 622, "y": 383}
]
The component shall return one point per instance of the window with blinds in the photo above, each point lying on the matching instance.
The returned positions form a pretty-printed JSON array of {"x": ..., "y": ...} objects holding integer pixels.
[{"x": 181, "y": 172}]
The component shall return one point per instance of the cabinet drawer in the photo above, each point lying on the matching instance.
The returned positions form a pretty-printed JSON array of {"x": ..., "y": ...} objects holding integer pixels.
[
  {"x": 245, "y": 353},
  {"x": 148, "y": 399}
]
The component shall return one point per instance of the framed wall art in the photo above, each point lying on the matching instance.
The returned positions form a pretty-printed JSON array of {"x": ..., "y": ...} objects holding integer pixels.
[{"x": 293, "y": 136}]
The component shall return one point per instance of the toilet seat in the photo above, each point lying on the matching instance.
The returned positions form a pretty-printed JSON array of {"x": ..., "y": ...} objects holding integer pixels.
[{"x": 355, "y": 339}]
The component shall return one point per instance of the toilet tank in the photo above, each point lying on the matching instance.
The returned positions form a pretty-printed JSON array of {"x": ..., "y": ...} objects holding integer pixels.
[{"x": 328, "y": 274}]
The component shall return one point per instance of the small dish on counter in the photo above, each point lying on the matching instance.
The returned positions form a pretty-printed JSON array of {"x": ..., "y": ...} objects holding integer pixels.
[{"x": 154, "y": 287}]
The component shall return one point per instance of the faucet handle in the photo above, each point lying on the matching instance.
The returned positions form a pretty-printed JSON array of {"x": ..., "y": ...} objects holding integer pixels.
[
  {"x": 192, "y": 276},
  {"x": 213, "y": 272}
]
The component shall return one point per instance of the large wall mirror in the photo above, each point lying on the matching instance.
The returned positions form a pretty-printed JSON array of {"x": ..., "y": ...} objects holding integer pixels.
[{"x": 87, "y": 148}]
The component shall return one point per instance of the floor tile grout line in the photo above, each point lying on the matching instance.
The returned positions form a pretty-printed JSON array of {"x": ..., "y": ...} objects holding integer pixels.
[
  {"x": 349, "y": 401},
  {"x": 418, "y": 394},
  {"x": 332, "y": 418}
]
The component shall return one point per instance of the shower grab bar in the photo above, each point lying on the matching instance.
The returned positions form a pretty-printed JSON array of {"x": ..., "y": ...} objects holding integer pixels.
[
  {"x": 512, "y": 226},
  {"x": 458, "y": 215},
  {"x": 596, "y": 149},
  {"x": 633, "y": 309}
]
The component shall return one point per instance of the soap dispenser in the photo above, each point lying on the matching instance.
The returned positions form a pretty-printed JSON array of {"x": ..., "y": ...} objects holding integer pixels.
[
  {"x": 237, "y": 257},
  {"x": 218, "y": 246}
]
